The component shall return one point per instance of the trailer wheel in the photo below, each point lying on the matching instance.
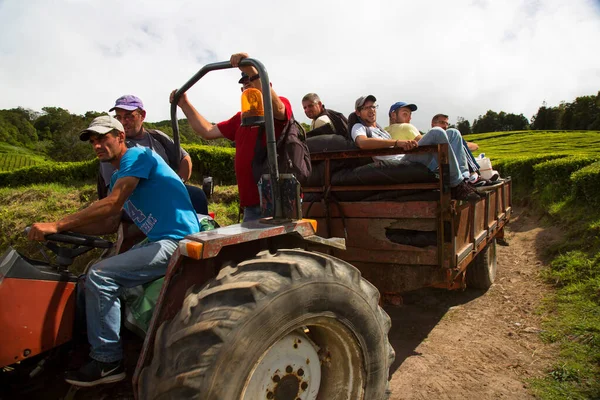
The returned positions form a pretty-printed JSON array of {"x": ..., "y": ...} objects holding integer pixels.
[
  {"x": 482, "y": 271},
  {"x": 285, "y": 326}
]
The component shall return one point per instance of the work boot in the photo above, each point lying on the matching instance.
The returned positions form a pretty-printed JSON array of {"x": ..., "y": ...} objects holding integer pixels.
[
  {"x": 96, "y": 373},
  {"x": 464, "y": 191}
]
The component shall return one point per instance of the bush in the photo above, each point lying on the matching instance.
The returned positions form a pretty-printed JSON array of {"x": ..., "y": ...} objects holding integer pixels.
[
  {"x": 65, "y": 173},
  {"x": 586, "y": 184},
  {"x": 553, "y": 177},
  {"x": 521, "y": 168},
  {"x": 213, "y": 161}
]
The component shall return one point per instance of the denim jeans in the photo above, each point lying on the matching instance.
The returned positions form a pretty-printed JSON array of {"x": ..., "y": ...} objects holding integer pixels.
[
  {"x": 438, "y": 136},
  {"x": 103, "y": 285}
]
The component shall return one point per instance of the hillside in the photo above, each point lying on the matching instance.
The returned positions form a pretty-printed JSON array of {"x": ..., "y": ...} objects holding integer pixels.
[{"x": 557, "y": 185}]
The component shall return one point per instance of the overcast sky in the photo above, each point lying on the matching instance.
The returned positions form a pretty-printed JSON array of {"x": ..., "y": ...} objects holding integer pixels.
[{"x": 459, "y": 57}]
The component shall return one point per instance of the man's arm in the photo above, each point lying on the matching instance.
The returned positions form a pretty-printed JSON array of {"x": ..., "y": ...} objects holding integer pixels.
[
  {"x": 472, "y": 146},
  {"x": 96, "y": 215},
  {"x": 278, "y": 106},
  {"x": 185, "y": 168},
  {"x": 199, "y": 124},
  {"x": 367, "y": 143}
]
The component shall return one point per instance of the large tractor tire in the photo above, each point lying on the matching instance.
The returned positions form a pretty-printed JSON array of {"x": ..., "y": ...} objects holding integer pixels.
[
  {"x": 481, "y": 274},
  {"x": 285, "y": 326}
]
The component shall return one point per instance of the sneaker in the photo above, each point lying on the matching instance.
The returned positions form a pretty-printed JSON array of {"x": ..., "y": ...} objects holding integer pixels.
[
  {"x": 481, "y": 182},
  {"x": 96, "y": 373},
  {"x": 494, "y": 176},
  {"x": 474, "y": 177},
  {"x": 464, "y": 191}
]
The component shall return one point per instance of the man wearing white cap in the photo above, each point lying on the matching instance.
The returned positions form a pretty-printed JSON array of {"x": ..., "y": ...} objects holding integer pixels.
[{"x": 154, "y": 197}]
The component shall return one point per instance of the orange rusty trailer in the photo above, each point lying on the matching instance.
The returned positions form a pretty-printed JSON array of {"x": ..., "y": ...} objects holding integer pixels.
[{"x": 459, "y": 237}]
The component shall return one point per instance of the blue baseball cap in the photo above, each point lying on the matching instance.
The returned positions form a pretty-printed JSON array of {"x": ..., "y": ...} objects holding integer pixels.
[
  {"x": 400, "y": 104},
  {"x": 128, "y": 102}
]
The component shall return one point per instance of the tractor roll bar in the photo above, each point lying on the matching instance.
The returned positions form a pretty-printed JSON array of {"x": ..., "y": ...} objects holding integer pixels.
[{"x": 266, "y": 92}]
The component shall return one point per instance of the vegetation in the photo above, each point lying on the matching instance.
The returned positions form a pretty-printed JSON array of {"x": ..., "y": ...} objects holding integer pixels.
[
  {"x": 54, "y": 132},
  {"x": 25, "y": 205},
  {"x": 555, "y": 168},
  {"x": 583, "y": 113},
  {"x": 558, "y": 173}
]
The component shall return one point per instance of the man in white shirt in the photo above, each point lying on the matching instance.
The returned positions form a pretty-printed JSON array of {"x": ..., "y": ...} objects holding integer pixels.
[{"x": 368, "y": 135}]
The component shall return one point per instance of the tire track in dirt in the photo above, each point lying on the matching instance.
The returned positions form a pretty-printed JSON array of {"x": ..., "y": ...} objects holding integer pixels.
[{"x": 475, "y": 344}]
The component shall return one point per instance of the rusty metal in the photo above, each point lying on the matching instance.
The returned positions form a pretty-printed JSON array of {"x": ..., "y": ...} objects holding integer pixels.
[{"x": 463, "y": 229}]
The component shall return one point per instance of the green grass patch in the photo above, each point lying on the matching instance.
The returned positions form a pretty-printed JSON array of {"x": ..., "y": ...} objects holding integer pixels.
[
  {"x": 500, "y": 145},
  {"x": 557, "y": 173},
  {"x": 14, "y": 157},
  {"x": 23, "y": 206},
  {"x": 573, "y": 312}
]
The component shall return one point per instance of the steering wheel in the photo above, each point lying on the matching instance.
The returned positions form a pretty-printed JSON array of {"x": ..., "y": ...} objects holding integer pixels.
[{"x": 81, "y": 244}]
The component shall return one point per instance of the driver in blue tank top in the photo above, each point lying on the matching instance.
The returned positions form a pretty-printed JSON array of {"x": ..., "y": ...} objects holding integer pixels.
[{"x": 155, "y": 198}]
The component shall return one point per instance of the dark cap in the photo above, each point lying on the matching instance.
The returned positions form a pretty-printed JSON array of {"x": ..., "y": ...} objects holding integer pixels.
[{"x": 243, "y": 78}]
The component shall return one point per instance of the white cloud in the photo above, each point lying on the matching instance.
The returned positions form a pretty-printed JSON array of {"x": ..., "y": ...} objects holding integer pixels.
[{"x": 462, "y": 57}]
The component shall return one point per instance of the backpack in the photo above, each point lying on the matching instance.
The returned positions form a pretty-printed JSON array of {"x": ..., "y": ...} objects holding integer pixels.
[
  {"x": 173, "y": 155},
  {"x": 354, "y": 119},
  {"x": 339, "y": 122},
  {"x": 293, "y": 156}
]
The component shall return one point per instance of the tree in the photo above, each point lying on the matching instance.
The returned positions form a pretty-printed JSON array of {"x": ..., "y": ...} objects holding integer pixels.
[
  {"x": 581, "y": 113},
  {"x": 16, "y": 128},
  {"x": 500, "y": 122},
  {"x": 463, "y": 125}
]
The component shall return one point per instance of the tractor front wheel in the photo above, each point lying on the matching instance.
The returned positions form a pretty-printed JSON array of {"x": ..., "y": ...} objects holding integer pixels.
[{"x": 285, "y": 326}]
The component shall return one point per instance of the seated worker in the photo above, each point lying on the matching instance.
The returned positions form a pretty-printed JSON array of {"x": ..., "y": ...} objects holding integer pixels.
[
  {"x": 154, "y": 197},
  {"x": 368, "y": 135},
  {"x": 323, "y": 121},
  {"x": 401, "y": 113},
  {"x": 130, "y": 112},
  {"x": 400, "y": 127},
  {"x": 475, "y": 178}
]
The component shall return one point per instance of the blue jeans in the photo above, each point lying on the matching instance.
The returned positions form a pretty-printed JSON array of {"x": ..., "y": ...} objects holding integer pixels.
[
  {"x": 103, "y": 286},
  {"x": 438, "y": 136},
  {"x": 252, "y": 213}
]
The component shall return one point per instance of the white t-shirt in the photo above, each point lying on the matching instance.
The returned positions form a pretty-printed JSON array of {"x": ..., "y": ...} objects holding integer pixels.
[{"x": 376, "y": 133}]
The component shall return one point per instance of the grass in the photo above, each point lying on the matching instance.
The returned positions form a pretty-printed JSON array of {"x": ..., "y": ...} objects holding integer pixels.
[
  {"x": 24, "y": 206},
  {"x": 13, "y": 157},
  {"x": 573, "y": 312},
  {"x": 499, "y": 145}
]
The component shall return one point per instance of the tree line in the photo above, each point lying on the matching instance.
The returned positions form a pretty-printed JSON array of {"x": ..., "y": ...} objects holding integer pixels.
[
  {"x": 581, "y": 114},
  {"x": 54, "y": 130}
]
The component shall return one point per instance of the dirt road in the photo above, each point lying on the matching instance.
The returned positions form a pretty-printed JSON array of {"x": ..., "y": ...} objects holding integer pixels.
[
  {"x": 449, "y": 345},
  {"x": 475, "y": 345}
]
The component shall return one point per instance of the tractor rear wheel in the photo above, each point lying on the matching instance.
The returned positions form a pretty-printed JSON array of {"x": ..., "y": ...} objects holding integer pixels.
[
  {"x": 481, "y": 274},
  {"x": 285, "y": 326}
]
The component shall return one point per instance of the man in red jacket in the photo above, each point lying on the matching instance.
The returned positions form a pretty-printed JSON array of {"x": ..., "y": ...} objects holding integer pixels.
[{"x": 243, "y": 136}]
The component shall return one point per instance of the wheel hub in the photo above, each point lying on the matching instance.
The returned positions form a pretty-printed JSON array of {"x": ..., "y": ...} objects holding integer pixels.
[
  {"x": 287, "y": 388},
  {"x": 289, "y": 370}
]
